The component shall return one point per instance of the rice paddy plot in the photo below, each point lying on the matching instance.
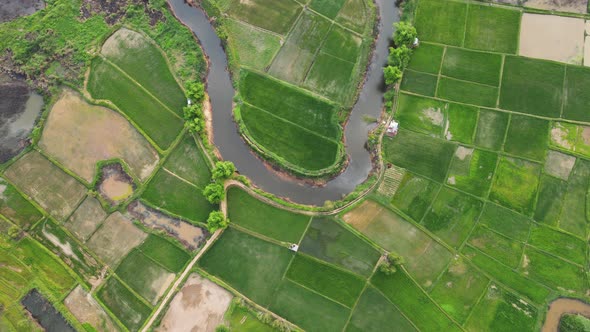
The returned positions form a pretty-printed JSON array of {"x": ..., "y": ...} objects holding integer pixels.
[
  {"x": 533, "y": 290},
  {"x": 441, "y": 21},
  {"x": 558, "y": 243},
  {"x": 414, "y": 195},
  {"x": 577, "y": 84},
  {"x": 461, "y": 123},
  {"x": 550, "y": 200},
  {"x": 418, "y": 82},
  {"x": 130, "y": 310},
  {"x": 559, "y": 165},
  {"x": 188, "y": 161},
  {"x": 338, "y": 285},
  {"x": 327, "y": 7},
  {"x": 310, "y": 30},
  {"x": 421, "y": 114},
  {"x": 172, "y": 194},
  {"x": 515, "y": 184},
  {"x": 342, "y": 44},
  {"x": 248, "y": 212},
  {"x": 505, "y": 221},
  {"x": 332, "y": 77},
  {"x": 279, "y": 15},
  {"x": 554, "y": 272},
  {"x": 502, "y": 248},
  {"x": 532, "y": 86},
  {"x": 291, "y": 63},
  {"x": 244, "y": 320},
  {"x": 491, "y": 28},
  {"x": 165, "y": 253},
  {"x": 427, "y": 58},
  {"x": 472, "y": 66},
  {"x": 401, "y": 290},
  {"x": 241, "y": 260},
  {"x": 472, "y": 170},
  {"x": 467, "y": 92},
  {"x": 574, "y": 217},
  {"x": 427, "y": 156},
  {"x": 15, "y": 207},
  {"x": 308, "y": 309},
  {"x": 374, "y": 312},
  {"x": 86, "y": 219},
  {"x": 452, "y": 216},
  {"x": 253, "y": 47},
  {"x": 491, "y": 129},
  {"x": 500, "y": 310},
  {"x": 527, "y": 137},
  {"x": 355, "y": 15},
  {"x": 54, "y": 190},
  {"x": 458, "y": 289},
  {"x": 333, "y": 243},
  {"x": 571, "y": 137}
]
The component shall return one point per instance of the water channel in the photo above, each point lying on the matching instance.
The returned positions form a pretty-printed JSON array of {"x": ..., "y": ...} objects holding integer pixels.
[{"x": 232, "y": 147}]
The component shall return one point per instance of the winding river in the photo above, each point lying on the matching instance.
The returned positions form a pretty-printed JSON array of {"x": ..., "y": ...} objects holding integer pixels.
[{"x": 232, "y": 147}]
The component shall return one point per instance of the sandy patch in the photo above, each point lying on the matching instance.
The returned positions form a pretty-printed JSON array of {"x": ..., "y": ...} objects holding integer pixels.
[
  {"x": 115, "y": 238},
  {"x": 86, "y": 218},
  {"x": 463, "y": 152},
  {"x": 552, "y": 38},
  {"x": 79, "y": 135},
  {"x": 85, "y": 308},
  {"x": 587, "y": 51},
  {"x": 122, "y": 39},
  {"x": 561, "y": 136},
  {"x": 434, "y": 115},
  {"x": 561, "y": 307},
  {"x": 199, "y": 306},
  {"x": 114, "y": 184},
  {"x": 559, "y": 164},
  {"x": 363, "y": 215},
  {"x": 572, "y": 6},
  {"x": 189, "y": 235}
]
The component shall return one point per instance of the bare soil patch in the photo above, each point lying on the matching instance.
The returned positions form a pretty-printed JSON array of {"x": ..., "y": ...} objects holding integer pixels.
[
  {"x": 114, "y": 184},
  {"x": 199, "y": 306},
  {"x": 86, "y": 218},
  {"x": 100, "y": 133},
  {"x": 115, "y": 238},
  {"x": 559, "y": 164},
  {"x": 362, "y": 216},
  {"x": 552, "y": 38},
  {"x": 11, "y": 9},
  {"x": 85, "y": 308},
  {"x": 189, "y": 235},
  {"x": 561, "y": 307},
  {"x": 114, "y": 10},
  {"x": 571, "y": 6},
  {"x": 587, "y": 51},
  {"x": 128, "y": 38}
]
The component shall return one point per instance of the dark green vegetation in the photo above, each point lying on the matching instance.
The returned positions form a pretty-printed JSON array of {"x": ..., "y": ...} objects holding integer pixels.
[
  {"x": 492, "y": 28},
  {"x": 374, "y": 312},
  {"x": 164, "y": 253},
  {"x": 441, "y": 21},
  {"x": 420, "y": 83},
  {"x": 515, "y": 184},
  {"x": 129, "y": 309},
  {"x": 188, "y": 162},
  {"x": 472, "y": 170},
  {"x": 467, "y": 92},
  {"x": 427, "y": 58},
  {"x": 141, "y": 283},
  {"x": 527, "y": 137},
  {"x": 491, "y": 128},
  {"x": 472, "y": 66},
  {"x": 577, "y": 83},
  {"x": 16, "y": 208}
]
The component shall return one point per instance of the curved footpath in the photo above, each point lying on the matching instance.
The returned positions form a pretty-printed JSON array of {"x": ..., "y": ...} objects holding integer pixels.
[{"x": 232, "y": 147}]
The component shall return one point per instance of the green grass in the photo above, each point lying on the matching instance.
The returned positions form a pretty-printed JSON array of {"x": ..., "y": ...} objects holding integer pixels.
[
  {"x": 255, "y": 48},
  {"x": 329, "y": 8},
  {"x": 491, "y": 128},
  {"x": 279, "y": 15},
  {"x": 164, "y": 252},
  {"x": 558, "y": 243},
  {"x": 242, "y": 320},
  {"x": 472, "y": 173},
  {"x": 140, "y": 272},
  {"x": 554, "y": 272},
  {"x": 423, "y": 115},
  {"x": 461, "y": 123},
  {"x": 505, "y": 221},
  {"x": 15, "y": 207},
  {"x": 550, "y": 200},
  {"x": 472, "y": 66},
  {"x": 574, "y": 217},
  {"x": 441, "y": 21},
  {"x": 342, "y": 287},
  {"x": 188, "y": 162},
  {"x": 332, "y": 77},
  {"x": 527, "y": 137},
  {"x": 532, "y": 86},
  {"x": 419, "y": 153},
  {"x": 297, "y": 146},
  {"x": 143, "y": 61},
  {"x": 290, "y": 103},
  {"x": 577, "y": 85},
  {"x": 492, "y": 29},
  {"x": 467, "y": 92},
  {"x": 420, "y": 83},
  {"x": 354, "y": 15},
  {"x": 123, "y": 304},
  {"x": 502, "y": 273},
  {"x": 333, "y": 243},
  {"x": 343, "y": 44},
  {"x": 414, "y": 195},
  {"x": 500, "y": 247},
  {"x": 515, "y": 184},
  {"x": 427, "y": 58},
  {"x": 412, "y": 300},
  {"x": 176, "y": 196},
  {"x": 458, "y": 289},
  {"x": 251, "y": 213},
  {"x": 452, "y": 216},
  {"x": 374, "y": 312},
  {"x": 106, "y": 82},
  {"x": 500, "y": 310},
  {"x": 250, "y": 265},
  {"x": 307, "y": 309}
]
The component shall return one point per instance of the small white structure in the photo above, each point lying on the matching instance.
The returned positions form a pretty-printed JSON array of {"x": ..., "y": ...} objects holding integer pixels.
[
  {"x": 294, "y": 247},
  {"x": 392, "y": 128},
  {"x": 416, "y": 43},
  {"x": 189, "y": 102}
]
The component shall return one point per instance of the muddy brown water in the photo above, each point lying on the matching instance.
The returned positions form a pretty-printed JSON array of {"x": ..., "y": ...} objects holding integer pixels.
[
  {"x": 45, "y": 313},
  {"x": 231, "y": 145},
  {"x": 561, "y": 307}
]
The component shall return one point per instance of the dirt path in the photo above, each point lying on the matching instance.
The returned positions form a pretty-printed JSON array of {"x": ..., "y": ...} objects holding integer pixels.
[{"x": 560, "y": 307}]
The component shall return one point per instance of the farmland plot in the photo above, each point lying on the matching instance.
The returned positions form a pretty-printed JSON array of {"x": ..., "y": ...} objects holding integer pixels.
[
  {"x": 15, "y": 207},
  {"x": 129, "y": 309}
]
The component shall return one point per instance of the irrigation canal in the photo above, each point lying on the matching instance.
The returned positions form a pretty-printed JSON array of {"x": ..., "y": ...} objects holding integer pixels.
[{"x": 232, "y": 147}]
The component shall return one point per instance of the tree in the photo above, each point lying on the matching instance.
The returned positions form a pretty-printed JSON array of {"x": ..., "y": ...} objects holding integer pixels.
[
  {"x": 399, "y": 57},
  {"x": 214, "y": 192},
  {"x": 216, "y": 221},
  {"x": 223, "y": 170},
  {"x": 195, "y": 91},
  {"x": 405, "y": 34},
  {"x": 392, "y": 75}
]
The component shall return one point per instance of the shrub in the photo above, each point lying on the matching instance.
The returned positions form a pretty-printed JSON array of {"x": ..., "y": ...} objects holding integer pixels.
[
  {"x": 222, "y": 328},
  {"x": 571, "y": 323},
  {"x": 216, "y": 221},
  {"x": 404, "y": 34},
  {"x": 13, "y": 232},
  {"x": 214, "y": 192},
  {"x": 195, "y": 91},
  {"x": 223, "y": 170},
  {"x": 392, "y": 75}
]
